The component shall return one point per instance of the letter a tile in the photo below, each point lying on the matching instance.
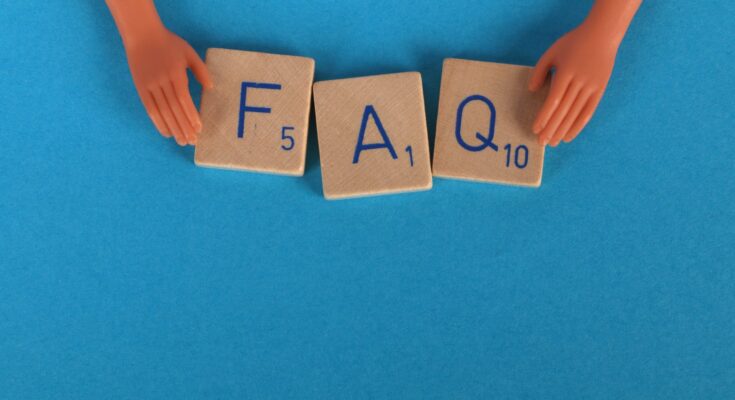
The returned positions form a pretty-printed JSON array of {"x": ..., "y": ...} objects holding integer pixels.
[
  {"x": 484, "y": 127},
  {"x": 257, "y": 115},
  {"x": 372, "y": 135}
]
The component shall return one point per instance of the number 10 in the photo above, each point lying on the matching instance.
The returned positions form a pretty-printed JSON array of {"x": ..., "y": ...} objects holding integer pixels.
[{"x": 518, "y": 163}]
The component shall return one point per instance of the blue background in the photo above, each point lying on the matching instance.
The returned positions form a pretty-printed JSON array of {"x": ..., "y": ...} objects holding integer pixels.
[{"x": 128, "y": 273}]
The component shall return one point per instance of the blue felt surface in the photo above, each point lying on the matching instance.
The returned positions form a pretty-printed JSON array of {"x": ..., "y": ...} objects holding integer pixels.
[{"x": 128, "y": 273}]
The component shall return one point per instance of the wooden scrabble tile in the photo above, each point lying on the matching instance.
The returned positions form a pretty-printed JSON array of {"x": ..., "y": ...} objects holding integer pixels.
[
  {"x": 483, "y": 130},
  {"x": 257, "y": 115},
  {"x": 372, "y": 135}
]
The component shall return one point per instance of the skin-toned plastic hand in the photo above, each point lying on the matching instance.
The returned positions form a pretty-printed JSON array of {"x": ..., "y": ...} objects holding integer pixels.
[
  {"x": 158, "y": 61},
  {"x": 582, "y": 61}
]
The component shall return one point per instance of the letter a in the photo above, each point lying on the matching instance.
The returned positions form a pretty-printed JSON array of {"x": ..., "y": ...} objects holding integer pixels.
[{"x": 370, "y": 111}]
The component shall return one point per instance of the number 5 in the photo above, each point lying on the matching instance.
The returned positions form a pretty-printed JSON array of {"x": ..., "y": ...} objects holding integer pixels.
[{"x": 287, "y": 137}]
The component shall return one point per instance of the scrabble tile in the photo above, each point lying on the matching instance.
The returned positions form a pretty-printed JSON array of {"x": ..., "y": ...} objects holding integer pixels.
[
  {"x": 484, "y": 126},
  {"x": 372, "y": 135},
  {"x": 257, "y": 115}
]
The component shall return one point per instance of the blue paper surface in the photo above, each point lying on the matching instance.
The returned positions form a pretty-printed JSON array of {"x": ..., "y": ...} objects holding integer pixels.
[{"x": 128, "y": 273}]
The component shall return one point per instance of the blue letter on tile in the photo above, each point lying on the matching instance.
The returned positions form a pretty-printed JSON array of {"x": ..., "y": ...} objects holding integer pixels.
[
  {"x": 246, "y": 108},
  {"x": 486, "y": 141},
  {"x": 370, "y": 111}
]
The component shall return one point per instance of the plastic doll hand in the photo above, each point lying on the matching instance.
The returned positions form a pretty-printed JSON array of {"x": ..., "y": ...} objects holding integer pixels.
[
  {"x": 583, "y": 61},
  {"x": 158, "y": 65}
]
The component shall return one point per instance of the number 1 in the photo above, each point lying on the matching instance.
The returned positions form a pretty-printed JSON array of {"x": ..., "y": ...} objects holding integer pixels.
[{"x": 409, "y": 150}]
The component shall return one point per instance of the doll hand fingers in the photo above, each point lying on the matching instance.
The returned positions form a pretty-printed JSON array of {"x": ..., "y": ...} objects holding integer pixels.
[
  {"x": 152, "y": 109},
  {"x": 178, "y": 112},
  {"x": 572, "y": 116},
  {"x": 181, "y": 88},
  {"x": 584, "y": 117},
  {"x": 559, "y": 85},
  {"x": 168, "y": 116},
  {"x": 561, "y": 111}
]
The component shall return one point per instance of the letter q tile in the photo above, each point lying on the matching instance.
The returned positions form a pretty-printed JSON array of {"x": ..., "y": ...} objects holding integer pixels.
[{"x": 484, "y": 127}]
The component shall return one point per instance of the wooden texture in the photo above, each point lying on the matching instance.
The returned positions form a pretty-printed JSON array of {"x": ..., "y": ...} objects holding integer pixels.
[
  {"x": 273, "y": 142},
  {"x": 394, "y": 103},
  {"x": 513, "y": 156}
]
